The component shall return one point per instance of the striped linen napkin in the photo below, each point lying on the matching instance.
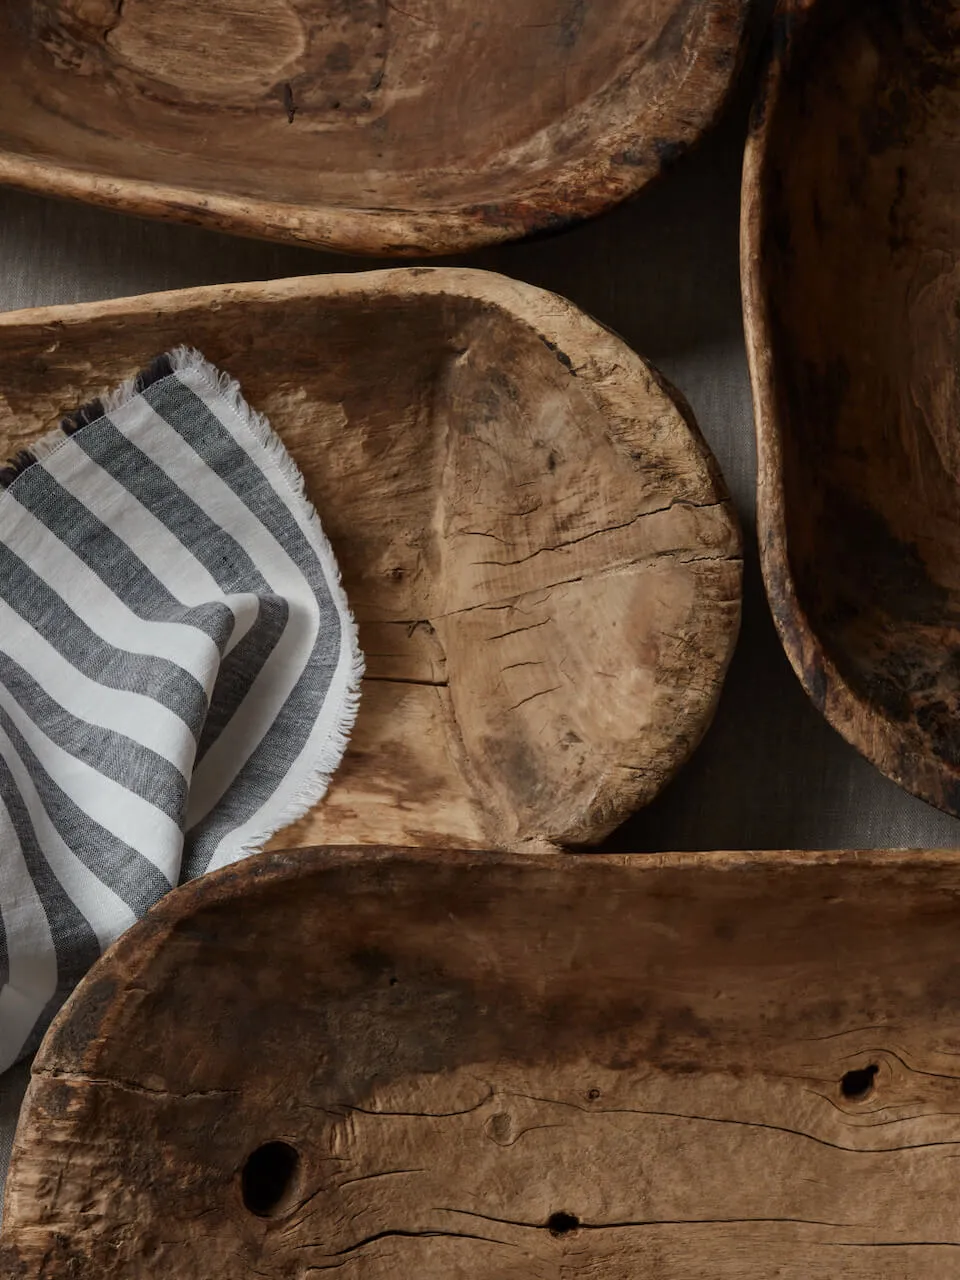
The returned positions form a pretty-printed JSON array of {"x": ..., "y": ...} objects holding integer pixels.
[{"x": 179, "y": 669}]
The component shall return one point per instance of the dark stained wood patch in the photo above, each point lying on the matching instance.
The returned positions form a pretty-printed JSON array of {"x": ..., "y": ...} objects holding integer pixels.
[
  {"x": 851, "y": 287},
  {"x": 407, "y": 1065}
]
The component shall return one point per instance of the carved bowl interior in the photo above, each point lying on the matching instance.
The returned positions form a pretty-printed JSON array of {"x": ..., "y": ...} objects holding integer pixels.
[
  {"x": 852, "y": 293},
  {"x": 539, "y": 550},
  {"x": 367, "y": 125}
]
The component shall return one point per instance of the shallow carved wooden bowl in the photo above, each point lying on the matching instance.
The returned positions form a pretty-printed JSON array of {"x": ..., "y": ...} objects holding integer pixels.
[
  {"x": 852, "y": 298},
  {"x": 400, "y": 1066},
  {"x": 365, "y": 125},
  {"x": 540, "y": 553}
]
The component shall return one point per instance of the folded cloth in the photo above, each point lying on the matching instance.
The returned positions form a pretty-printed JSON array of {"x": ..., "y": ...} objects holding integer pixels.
[{"x": 179, "y": 670}]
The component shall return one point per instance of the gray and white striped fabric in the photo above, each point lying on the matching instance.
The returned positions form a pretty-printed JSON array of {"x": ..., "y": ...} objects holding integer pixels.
[{"x": 179, "y": 670}]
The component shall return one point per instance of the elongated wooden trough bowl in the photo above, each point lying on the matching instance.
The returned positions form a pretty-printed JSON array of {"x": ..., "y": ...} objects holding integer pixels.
[
  {"x": 851, "y": 237},
  {"x": 540, "y": 553},
  {"x": 365, "y": 125},
  {"x": 401, "y": 1066}
]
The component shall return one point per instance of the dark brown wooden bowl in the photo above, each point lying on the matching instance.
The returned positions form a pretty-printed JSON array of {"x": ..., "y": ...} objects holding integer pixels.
[
  {"x": 384, "y": 1065},
  {"x": 851, "y": 275},
  {"x": 540, "y": 552},
  {"x": 363, "y": 125}
]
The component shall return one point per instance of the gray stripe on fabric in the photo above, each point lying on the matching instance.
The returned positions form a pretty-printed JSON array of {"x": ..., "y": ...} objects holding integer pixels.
[
  {"x": 74, "y": 940},
  {"x": 113, "y": 561},
  {"x": 157, "y": 678},
  {"x": 131, "y": 876},
  {"x": 240, "y": 667},
  {"x": 272, "y": 759},
  {"x": 206, "y": 435},
  {"x": 50, "y": 1010},
  {"x": 4, "y": 955},
  {"x": 219, "y": 553},
  {"x": 53, "y": 1006},
  {"x": 116, "y": 756}
]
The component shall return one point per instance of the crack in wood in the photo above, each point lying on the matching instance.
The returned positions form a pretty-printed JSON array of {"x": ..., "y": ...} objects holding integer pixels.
[
  {"x": 516, "y": 631},
  {"x": 397, "y": 1232},
  {"x": 132, "y": 1086},
  {"x": 748, "y": 1124},
  {"x": 655, "y": 1222},
  {"x": 430, "y": 684},
  {"x": 540, "y": 693},
  {"x": 595, "y": 533}
]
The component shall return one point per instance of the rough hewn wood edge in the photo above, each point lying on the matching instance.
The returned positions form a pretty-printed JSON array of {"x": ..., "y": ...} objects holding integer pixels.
[
  {"x": 617, "y": 167},
  {"x": 267, "y": 870},
  {"x": 607, "y": 370},
  {"x": 856, "y": 720}
]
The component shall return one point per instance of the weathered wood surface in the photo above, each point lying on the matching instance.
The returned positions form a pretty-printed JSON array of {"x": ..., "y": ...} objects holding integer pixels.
[
  {"x": 542, "y": 558},
  {"x": 851, "y": 230},
  {"x": 364, "y": 125},
  {"x": 483, "y": 1067}
]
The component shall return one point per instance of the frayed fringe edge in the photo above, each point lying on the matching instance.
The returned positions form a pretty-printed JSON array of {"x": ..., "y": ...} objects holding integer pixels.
[
  {"x": 315, "y": 785},
  {"x": 85, "y": 416},
  {"x": 345, "y": 688},
  {"x": 25, "y": 458},
  {"x": 111, "y": 401}
]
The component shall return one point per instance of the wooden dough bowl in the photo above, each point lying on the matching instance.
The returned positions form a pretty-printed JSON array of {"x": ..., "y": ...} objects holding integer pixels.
[
  {"x": 851, "y": 240},
  {"x": 370, "y": 126},
  {"x": 542, "y": 558},
  {"x": 436, "y": 1066}
]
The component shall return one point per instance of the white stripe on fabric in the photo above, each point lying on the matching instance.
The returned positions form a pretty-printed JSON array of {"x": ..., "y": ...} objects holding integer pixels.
[
  {"x": 135, "y": 715},
  {"x": 125, "y": 815},
  {"x": 31, "y": 957},
  {"x": 280, "y": 673},
  {"x": 96, "y": 605},
  {"x": 165, "y": 447},
  {"x": 148, "y": 537},
  {"x": 160, "y": 551},
  {"x": 106, "y": 913}
]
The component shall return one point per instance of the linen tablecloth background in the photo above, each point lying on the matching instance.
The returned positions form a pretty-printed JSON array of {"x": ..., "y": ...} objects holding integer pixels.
[{"x": 662, "y": 272}]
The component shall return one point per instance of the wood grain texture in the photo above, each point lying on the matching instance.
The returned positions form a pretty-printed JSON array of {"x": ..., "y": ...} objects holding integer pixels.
[
  {"x": 852, "y": 300},
  {"x": 724, "y": 1065},
  {"x": 542, "y": 558},
  {"x": 369, "y": 126}
]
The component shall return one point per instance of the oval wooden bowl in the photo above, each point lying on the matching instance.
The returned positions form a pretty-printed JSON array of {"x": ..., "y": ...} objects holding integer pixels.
[
  {"x": 394, "y": 1066},
  {"x": 363, "y": 125},
  {"x": 851, "y": 280},
  {"x": 542, "y": 558}
]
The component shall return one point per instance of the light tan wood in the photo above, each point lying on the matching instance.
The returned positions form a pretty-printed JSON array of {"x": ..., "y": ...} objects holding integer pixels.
[
  {"x": 733, "y": 1066},
  {"x": 365, "y": 125},
  {"x": 542, "y": 558},
  {"x": 851, "y": 227}
]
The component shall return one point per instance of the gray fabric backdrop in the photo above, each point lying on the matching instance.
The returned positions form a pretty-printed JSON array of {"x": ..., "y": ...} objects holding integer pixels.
[{"x": 663, "y": 272}]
